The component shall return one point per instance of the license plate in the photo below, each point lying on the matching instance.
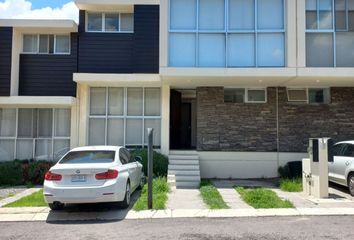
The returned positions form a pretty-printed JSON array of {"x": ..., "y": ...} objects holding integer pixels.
[{"x": 78, "y": 178}]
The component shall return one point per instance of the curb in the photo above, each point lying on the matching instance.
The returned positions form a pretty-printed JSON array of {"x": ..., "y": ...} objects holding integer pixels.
[{"x": 43, "y": 214}]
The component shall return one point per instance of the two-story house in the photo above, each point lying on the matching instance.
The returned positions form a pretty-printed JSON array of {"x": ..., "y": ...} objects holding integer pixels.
[{"x": 232, "y": 88}]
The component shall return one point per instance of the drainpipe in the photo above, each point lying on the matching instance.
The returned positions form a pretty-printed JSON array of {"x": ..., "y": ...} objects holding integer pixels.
[{"x": 277, "y": 121}]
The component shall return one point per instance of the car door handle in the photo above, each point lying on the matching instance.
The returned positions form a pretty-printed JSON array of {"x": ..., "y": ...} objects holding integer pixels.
[{"x": 347, "y": 163}]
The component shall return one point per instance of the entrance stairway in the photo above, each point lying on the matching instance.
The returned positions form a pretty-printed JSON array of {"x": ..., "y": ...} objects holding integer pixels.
[{"x": 183, "y": 169}]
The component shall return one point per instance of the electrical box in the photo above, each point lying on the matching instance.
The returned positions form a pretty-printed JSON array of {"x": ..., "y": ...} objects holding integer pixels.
[{"x": 315, "y": 168}]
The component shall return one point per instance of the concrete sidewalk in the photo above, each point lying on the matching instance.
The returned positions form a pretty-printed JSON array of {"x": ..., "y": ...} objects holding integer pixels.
[{"x": 44, "y": 214}]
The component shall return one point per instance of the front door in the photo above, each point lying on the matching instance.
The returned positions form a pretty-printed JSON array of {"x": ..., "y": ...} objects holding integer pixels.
[
  {"x": 185, "y": 133},
  {"x": 175, "y": 119}
]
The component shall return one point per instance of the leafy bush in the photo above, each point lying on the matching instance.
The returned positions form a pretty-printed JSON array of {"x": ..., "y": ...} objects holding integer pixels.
[
  {"x": 23, "y": 172},
  {"x": 11, "y": 173},
  {"x": 291, "y": 170},
  {"x": 284, "y": 172},
  {"x": 291, "y": 185},
  {"x": 160, "y": 162}
]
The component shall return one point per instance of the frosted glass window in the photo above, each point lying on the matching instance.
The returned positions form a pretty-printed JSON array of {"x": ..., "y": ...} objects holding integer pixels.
[
  {"x": 311, "y": 4},
  {"x": 43, "y": 43},
  {"x": 234, "y": 95},
  {"x": 311, "y": 19},
  {"x": 115, "y": 101},
  {"x": 94, "y": 21},
  {"x": 340, "y": 14},
  {"x": 156, "y": 125},
  {"x": 62, "y": 44},
  {"x": 183, "y": 14},
  {"x": 43, "y": 149},
  {"x": 319, "y": 50},
  {"x": 152, "y": 101},
  {"x": 212, "y": 50},
  {"x": 241, "y": 52},
  {"x": 351, "y": 15},
  {"x": 345, "y": 49},
  {"x": 25, "y": 123},
  {"x": 98, "y": 101},
  {"x": 112, "y": 22},
  {"x": 24, "y": 149},
  {"x": 127, "y": 22},
  {"x": 271, "y": 50},
  {"x": 319, "y": 95},
  {"x": 241, "y": 14},
  {"x": 134, "y": 132},
  {"x": 211, "y": 14},
  {"x": 7, "y": 122},
  {"x": 135, "y": 101},
  {"x": 325, "y": 14},
  {"x": 182, "y": 50},
  {"x": 115, "y": 132},
  {"x": 7, "y": 148},
  {"x": 270, "y": 14},
  {"x": 256, "y": 95},
  {"x": 30, "y": 43},
  {"x": 45, "y": 120},
  {"x": 62, "y": 122},
  {"x": 61, "y": 147},
  {"x": 97, "y": 132}
]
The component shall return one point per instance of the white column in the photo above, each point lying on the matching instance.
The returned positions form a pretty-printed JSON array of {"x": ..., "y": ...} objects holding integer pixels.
[
  {"x": 164, "y": 33},
  {"x": 15, "y": 61},
  {"x": 165, "y": 119},
  {"x": 291, "y": 33},
  {"x": 83, "y": 110},
  {"x": 301, "y": 37}
]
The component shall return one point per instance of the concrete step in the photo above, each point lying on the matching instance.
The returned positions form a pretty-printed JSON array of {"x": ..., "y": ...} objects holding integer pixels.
[
  {"x": 183, "y": 167},
  {"x": 183, "y": 157},
  {"x": 184, "y": 162},
  {"x": 187, "y": 178},
  {"x": 185, "y": 152},
  {"x": 191, "y": 185},
  {"x": 184, "y": 172}
]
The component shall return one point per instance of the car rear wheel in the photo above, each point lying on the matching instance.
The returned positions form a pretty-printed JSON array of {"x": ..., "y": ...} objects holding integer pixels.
[
  {"x": 351, "y": 184},
  {"x": 56, "y": 206},
  {"x": 126, "y": 201}
]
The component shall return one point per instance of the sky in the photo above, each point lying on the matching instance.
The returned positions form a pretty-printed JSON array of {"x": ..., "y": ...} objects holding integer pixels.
[{"x": 39, "y": 9}]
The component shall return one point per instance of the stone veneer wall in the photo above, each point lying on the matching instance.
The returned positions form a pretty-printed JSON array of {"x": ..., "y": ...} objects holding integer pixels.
[{"x": 252, "y": 126}]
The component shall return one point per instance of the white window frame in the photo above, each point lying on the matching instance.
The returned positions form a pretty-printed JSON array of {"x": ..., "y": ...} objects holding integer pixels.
[
  {"x": 54, "y": 44},
  {"x": 226, "y": 31},
  {"x": 103, "y": 16},
  {"x": 125, "y": 116},
  {"x": 36, "y": 138},
  {"x": 245, "y": 96},
  {"x": 307, "y": 90}
]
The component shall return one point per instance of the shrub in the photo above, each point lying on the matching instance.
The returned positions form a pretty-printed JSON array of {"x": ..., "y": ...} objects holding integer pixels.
[
  {"x": 160, "y": 162},
  {"x": 36, "y": 172},
  {"x": 291, "y": 170},
  {"x": 284, "y": 172},
  {"x": 11, "y": 173}
]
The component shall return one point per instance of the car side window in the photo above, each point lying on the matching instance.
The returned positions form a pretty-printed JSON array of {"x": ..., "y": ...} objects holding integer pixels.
[
  {"x": 123, "y": 156},
  {"x": 349, "y": 150},
  {"x": 337, "y": 149}
]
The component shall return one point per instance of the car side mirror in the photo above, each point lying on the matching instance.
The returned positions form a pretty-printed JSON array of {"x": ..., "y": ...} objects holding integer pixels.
[{"x": 138, "y": 159}]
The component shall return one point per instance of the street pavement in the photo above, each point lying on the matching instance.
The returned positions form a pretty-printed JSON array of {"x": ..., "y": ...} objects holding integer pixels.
[{"x": 287, "y": 228}]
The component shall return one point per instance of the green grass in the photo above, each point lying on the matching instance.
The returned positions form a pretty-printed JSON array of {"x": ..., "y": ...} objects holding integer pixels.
[
  {"x": 34, "y": 200},
  {"x": 211, "y": 196},
  {"x": 160, "y": 190},
  {"x": 262, "y": 198},
  {"x": 291, "y": 185}
]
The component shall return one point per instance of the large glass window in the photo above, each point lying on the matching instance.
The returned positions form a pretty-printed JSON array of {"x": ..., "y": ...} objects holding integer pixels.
[
  {"x": 130, "y": 112},
  {"x": 329, "y": 33},
  {"x": 110, "y": 22},
  {"x": 46, "y": 44},
  {"x": 226, "y": 33},
  {"x": 42, "y": 134}
]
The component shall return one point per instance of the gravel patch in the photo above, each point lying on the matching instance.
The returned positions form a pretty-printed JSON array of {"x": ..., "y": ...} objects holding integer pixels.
[{"x": 11, "y": 191}]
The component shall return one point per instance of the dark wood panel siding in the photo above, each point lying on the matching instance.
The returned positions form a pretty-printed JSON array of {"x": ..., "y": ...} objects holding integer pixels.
[
  {"x": 136, "y": 52},
  {"x": 49, "y": 75},
  {"x": 5, "y": 60},
  {"x": 146, "y": 38}
]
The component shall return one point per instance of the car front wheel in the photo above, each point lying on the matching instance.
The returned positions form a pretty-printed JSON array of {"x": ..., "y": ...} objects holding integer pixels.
[
  {"x": 351, "y": 184},
  {"x": 126, "y": 201},
  {"x": 56, "y": 206}
]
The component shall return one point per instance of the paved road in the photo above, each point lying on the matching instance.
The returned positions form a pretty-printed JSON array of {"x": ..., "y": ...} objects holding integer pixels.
[{"x": 187, "y": 229}]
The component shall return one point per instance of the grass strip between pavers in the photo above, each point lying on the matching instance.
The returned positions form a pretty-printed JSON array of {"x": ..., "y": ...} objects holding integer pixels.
[
  {"x": 291, "y": 185},
  {"x": 160, "y": 190},
  {"x": 262, "y": 198},
  {"x": 211, "y": 196},
  {"x": 34, "y": 200}
]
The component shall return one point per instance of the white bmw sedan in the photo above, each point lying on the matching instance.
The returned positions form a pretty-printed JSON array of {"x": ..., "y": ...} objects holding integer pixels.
[{"x": 93, "y": 175}]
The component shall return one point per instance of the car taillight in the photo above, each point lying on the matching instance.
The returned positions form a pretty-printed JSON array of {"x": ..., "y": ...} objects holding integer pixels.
[
  {"x": 110, "y": 174},
  {"x": 49, "y": 176}
]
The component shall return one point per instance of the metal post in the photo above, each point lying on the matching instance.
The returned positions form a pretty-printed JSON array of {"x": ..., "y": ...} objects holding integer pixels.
[{"x": 150, "y": 166}]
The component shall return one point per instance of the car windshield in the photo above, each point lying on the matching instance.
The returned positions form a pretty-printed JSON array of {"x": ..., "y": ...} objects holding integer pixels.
[{"x": 88, "y": 157}]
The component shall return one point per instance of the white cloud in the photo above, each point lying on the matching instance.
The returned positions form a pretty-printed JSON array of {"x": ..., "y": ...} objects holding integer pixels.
[{"x": 22, "y": 9}]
